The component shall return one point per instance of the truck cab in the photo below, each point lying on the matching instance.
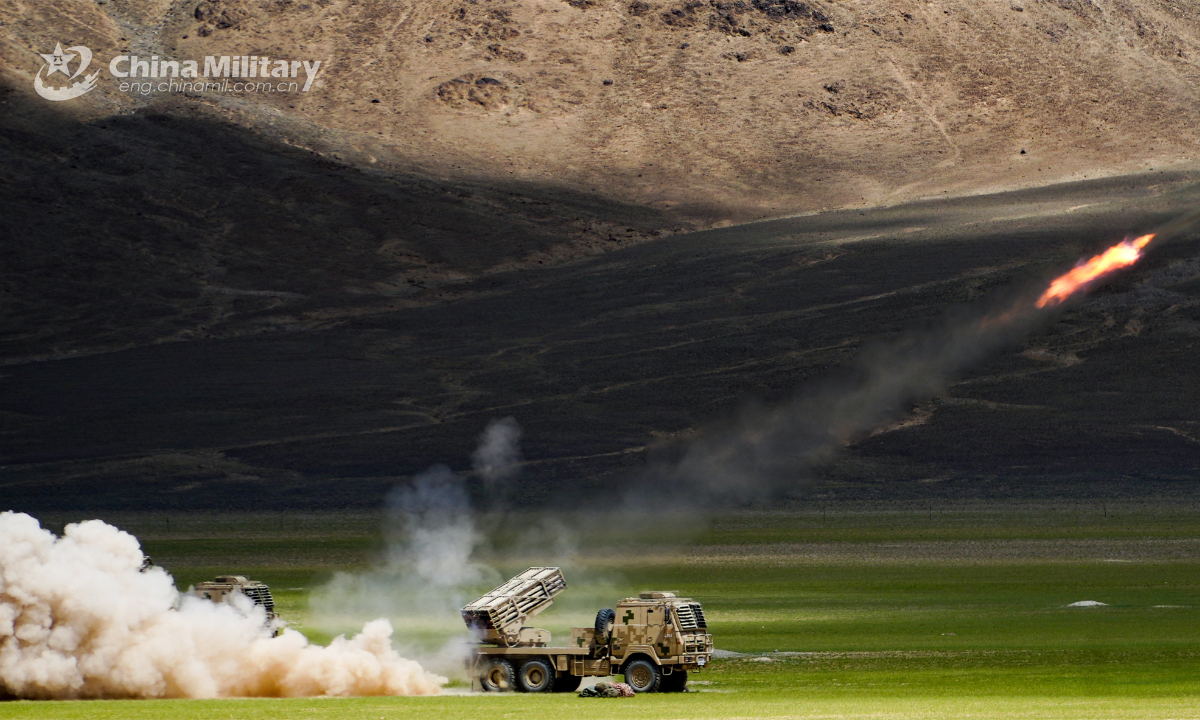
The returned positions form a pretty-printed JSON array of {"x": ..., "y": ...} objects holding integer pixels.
[{"x": 668, "y": 633}]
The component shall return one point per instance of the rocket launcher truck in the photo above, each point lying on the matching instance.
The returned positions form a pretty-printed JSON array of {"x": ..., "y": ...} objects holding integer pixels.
[{"x": 653, "y": 639}]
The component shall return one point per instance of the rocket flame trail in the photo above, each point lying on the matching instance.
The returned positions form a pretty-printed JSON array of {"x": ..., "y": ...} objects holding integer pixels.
[
  {"x": 769, "y": 446},
  {"x": 1123, "y": 254}
]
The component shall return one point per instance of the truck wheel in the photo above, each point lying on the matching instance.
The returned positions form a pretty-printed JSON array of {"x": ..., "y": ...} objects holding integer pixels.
[
  {"x": 643, "y": 676},
  {"x": 567, "y": 683},
  {"x": 605, "y": 619},
  {"x": 535, "y": 676},
  {"x": 497, "y": 676},
  {"x": 675, "y": 682}
]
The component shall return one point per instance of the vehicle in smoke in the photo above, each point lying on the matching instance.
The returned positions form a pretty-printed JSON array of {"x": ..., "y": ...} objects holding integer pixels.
[
  {"x": 653, "y": 639},
  {"x": 225, "y": 587}
]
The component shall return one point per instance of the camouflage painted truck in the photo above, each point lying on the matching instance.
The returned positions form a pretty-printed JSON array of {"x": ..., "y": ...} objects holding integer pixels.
[{"x": 653, "y": 639}]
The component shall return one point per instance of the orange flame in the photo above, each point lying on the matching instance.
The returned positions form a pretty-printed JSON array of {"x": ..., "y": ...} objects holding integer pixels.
[{"x": 1123, "y": 254}]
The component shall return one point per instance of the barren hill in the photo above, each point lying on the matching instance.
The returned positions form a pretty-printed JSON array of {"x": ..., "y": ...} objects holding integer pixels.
[{"x": 714, "y": 110}]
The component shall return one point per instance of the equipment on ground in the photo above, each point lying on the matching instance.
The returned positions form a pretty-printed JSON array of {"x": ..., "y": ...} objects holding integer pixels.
[{"x": 653, "y": 639}]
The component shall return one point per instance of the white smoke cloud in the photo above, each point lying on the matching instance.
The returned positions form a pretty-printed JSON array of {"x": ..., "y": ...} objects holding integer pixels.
[
  {"x": 432, "y": 530},
  {"x": 79, "y": 620}
]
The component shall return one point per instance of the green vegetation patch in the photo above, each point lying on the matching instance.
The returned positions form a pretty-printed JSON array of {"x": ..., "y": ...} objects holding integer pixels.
[{"x": 964, "y": 615}]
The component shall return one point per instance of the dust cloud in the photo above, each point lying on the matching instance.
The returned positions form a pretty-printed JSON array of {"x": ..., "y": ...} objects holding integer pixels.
[{"x": 79, "y": 619}]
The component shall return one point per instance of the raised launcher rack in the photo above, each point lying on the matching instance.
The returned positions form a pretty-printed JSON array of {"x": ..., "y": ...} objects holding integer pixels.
[{"x": 500, "y": 615}]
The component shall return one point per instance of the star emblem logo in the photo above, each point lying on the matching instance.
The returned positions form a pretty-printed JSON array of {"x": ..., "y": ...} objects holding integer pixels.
[{"x": 57, "y": 62}]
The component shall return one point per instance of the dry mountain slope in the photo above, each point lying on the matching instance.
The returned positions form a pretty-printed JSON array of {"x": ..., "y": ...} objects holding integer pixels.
[{"x": 714, "y": 110}]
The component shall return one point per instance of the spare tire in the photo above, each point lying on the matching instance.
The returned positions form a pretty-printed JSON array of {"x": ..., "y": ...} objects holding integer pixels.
[{"x": 605, "y": 619}]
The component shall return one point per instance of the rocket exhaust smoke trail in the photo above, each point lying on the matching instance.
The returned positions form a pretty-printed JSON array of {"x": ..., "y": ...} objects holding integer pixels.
[
  {"x": 768, "y": 448},
  {"x": 78, "y": 619}
]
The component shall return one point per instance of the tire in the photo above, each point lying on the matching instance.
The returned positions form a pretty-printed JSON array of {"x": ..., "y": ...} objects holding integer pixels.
[
  {"x": 535, "y": 676},
  {"x": 567, "y": 683},
  {"x": 643, "y": 676},
  {"x": 605, "y": 619},
  {"x": 497, "y": 676},
  {"x": 675, "y": 682}
]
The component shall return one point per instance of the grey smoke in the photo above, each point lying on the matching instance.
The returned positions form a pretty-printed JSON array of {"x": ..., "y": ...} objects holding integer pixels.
[
  {"x": 498, "y": 456},
  {"x": 427, "y": 570},
  {"x": 768, "y": 447},
  {"x": 431, "y": 532},
  {"x": 438, "y": 545},
  {"x": 426, "y": 566}
]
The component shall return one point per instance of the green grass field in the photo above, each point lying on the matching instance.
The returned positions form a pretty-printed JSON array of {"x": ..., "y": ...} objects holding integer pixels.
[{"x": 905, "y": 614}]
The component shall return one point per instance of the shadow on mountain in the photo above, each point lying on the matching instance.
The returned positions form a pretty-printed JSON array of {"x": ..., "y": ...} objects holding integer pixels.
[
  {"x": 155, "y": 226},
  {"x": 295, "y": 380}
]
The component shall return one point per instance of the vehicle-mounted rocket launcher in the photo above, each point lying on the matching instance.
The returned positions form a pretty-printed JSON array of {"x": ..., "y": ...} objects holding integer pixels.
[{"x": 653, "y": 639}]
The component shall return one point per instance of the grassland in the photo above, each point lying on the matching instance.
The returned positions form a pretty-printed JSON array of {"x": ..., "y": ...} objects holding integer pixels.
[{"x": 904, "y": 613}]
